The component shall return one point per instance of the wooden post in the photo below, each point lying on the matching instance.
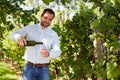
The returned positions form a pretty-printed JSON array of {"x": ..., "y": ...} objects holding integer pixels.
[{"x": 97, "y": 50}]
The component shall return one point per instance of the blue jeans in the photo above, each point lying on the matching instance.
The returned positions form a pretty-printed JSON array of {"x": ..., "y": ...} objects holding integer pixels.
[{"x": 32, "y": 73}]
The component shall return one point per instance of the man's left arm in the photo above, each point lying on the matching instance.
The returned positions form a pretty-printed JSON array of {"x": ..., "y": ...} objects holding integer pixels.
[{"x": 55, "y": 51}]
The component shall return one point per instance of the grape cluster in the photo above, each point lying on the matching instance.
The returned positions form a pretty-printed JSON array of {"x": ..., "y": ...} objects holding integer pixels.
[{"x": 117, "y": 54}]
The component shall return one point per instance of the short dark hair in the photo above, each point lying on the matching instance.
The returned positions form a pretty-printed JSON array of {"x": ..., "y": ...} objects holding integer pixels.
[{"x": 48, "y": 10}]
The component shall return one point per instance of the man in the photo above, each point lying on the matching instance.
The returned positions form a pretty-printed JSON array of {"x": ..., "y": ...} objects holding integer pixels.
[{"x": 37, "y": 57}]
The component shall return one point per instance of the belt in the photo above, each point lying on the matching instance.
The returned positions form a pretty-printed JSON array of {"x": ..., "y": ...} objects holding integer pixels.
[{"x": 37, "y": 65}]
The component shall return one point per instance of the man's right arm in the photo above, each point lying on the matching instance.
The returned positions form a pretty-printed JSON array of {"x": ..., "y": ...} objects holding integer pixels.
[{"x": 18, "y": 36}]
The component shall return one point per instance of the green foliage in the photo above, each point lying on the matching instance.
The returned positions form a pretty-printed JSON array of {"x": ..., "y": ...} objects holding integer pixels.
[
  {"x": 12, "y": 50},
  {"x": 112, "y": 70},
  {"x": 6, "y": 73},
  {"x": 57, "y": 1},
  {"x": 8, "y": 7},
  {"x": 65, "y": 1},
  {"x": 77, "y": 60},
  {"x": 47, "y": 1},
  {"x": 77, "y": 48},
  {"x": 13, "y": 16}
]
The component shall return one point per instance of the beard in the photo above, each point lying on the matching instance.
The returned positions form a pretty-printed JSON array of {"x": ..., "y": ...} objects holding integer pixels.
[{"x": 44, "y": 24}]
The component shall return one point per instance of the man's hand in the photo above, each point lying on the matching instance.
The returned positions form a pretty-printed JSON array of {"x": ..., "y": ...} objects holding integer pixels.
[
  {"x": 44, "y": 52},
  {"x": 21, "y": 41}
]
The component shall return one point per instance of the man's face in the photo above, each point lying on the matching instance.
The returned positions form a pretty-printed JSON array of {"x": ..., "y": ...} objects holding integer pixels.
[{"x": 46, "y": 19}]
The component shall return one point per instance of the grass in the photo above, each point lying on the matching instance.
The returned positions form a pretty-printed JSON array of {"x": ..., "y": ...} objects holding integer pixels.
[{"x": 6, "y": 73}]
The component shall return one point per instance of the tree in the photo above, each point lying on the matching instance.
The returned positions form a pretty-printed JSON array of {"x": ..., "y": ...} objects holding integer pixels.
[{"x": 80, "y": 58}]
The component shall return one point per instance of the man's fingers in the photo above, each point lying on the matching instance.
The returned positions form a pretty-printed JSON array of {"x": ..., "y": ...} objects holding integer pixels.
[
  {"x": 21, "y": 41},
  {"x": 44, "y": 53},
  {"x": 24, "y": 41}
]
